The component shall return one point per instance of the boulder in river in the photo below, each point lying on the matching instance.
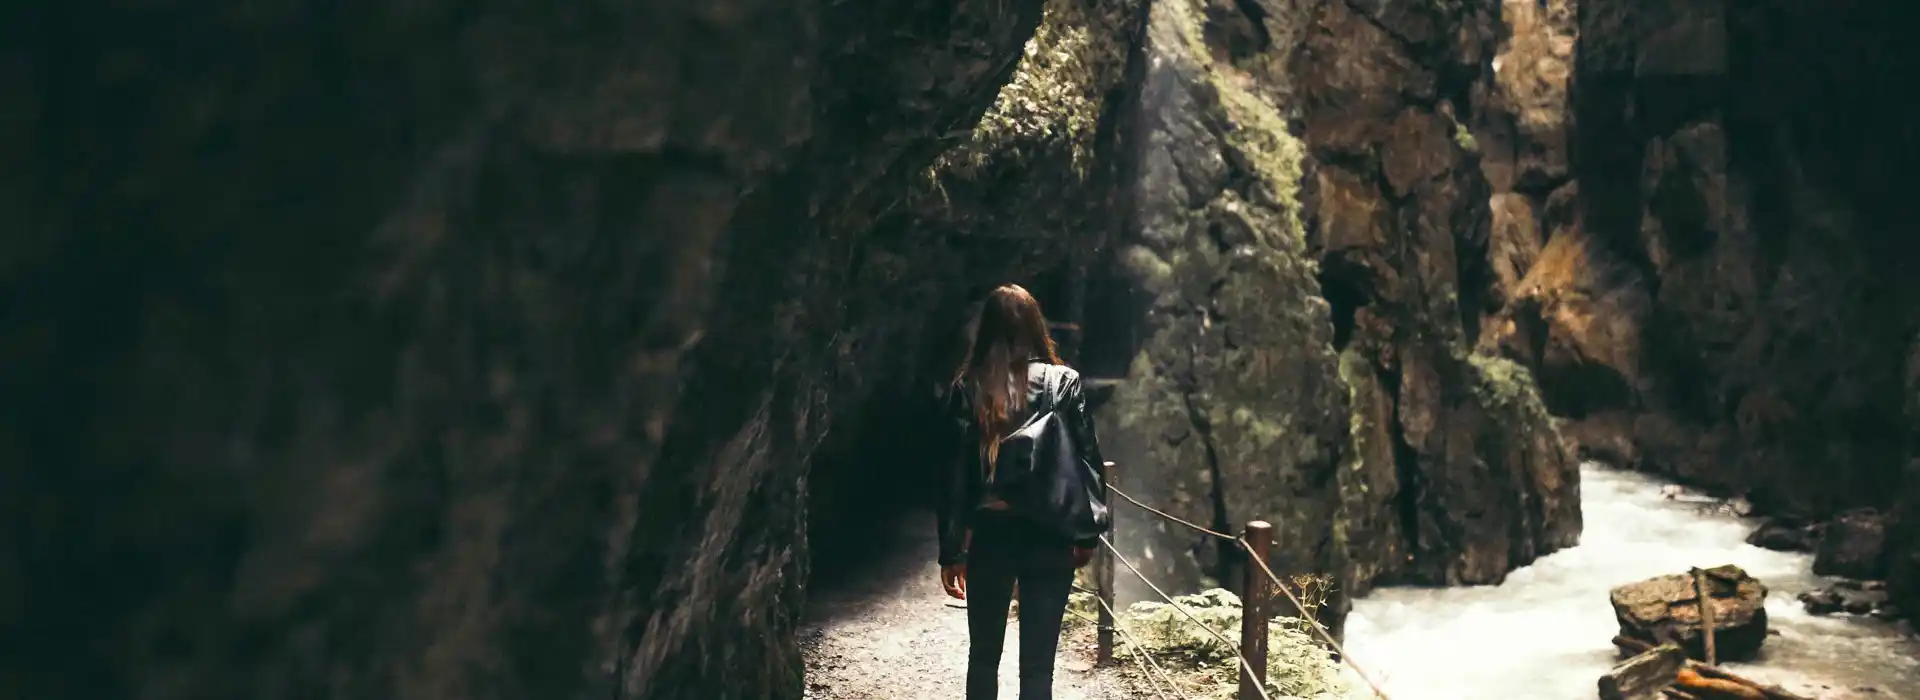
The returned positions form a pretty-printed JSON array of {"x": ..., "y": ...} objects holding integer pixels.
[
  {"x": 1848, "y": 596},
  {"x": 1853, "y": 546},
  {"x": 1666, "y": 609},
  {"x": 1785, "y": 535}
]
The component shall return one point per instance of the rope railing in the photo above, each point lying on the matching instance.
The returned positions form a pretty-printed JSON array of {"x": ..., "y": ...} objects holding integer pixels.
[
  {"x": 1253, "y": 634},
  {"x": 1164, "y": 514},
  {"x": 1140, "y": 654},
  {"x": 1324, "y": 634},
  {"x": 1245, "y": 666}
]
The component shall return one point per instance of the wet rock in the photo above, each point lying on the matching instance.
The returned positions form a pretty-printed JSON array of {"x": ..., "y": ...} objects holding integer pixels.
[
  {"x": 1862, "y": 602},
  {"x": 1848, "y": 596},
  {"x": 1784, "y": 535},
  {"x": 1820, "y": 602},
  {"x": 1853, "y": 545},
  {"x": 1666, "y": 609}
]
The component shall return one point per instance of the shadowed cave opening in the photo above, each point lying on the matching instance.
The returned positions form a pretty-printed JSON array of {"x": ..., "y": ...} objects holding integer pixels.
[{"x": 873, "y": 485}]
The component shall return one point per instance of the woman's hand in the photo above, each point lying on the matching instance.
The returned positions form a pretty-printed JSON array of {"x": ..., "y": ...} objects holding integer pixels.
[
  {"x": 953, "y": 577},
  {"x": 1082, "y": 556}
]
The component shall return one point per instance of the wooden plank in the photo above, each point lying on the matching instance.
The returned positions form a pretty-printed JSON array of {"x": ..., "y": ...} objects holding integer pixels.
[{"x": 1644, "y": 676}]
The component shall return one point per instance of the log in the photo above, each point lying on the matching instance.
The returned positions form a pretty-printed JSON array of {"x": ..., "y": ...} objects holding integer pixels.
[
  {"x": 1643, "y": 676},
  {"x": 1772, "y": 692},
  {"x": 1691, "y": 681}
]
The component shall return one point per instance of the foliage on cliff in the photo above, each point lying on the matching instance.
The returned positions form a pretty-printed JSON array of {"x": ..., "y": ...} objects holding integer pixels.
[{"x": 1057, "y": 97}]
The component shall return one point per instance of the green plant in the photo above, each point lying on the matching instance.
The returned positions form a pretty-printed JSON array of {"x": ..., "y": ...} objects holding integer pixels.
[
  {"x": 1297, "y": 666},
  {"x": 1463, "y": 137}
]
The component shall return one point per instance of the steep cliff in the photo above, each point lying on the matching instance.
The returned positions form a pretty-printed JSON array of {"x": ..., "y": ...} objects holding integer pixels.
[
  {"x": 1308, "y": 244},
  {"x": 1484, "y": 481},
  {"x": 437, "y": 351},
  {"x": 1736, "y": 305},
  {"x": 486, "y": 351}
]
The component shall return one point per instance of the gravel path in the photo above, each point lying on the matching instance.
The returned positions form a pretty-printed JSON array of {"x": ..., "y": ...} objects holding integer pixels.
[{"x": 893, "y": 635}]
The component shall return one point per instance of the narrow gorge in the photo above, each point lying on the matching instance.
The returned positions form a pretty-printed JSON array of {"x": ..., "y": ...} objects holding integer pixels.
[{"x": 498, "y": 351}]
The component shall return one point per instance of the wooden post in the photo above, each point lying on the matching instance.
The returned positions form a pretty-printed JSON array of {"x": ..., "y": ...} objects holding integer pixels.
[
  {"x": 1705, "y": 599},
  {"x": 1103, "y": 582},
  {"x": 1253, "y": 611}
]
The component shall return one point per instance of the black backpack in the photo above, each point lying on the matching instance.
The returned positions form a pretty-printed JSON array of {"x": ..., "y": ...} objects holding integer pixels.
[{"x": 1044, "y": 476}]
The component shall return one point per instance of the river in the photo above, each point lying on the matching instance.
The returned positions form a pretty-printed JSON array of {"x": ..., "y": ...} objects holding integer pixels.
[{"x": 1544, "y": 633}]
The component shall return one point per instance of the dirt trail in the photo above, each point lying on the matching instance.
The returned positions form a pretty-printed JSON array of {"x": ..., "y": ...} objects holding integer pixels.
[{"x": 893, "y": 635}]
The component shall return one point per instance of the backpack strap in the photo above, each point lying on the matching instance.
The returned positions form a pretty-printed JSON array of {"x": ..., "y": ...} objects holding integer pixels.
[{"x": 1052, "y": 384}]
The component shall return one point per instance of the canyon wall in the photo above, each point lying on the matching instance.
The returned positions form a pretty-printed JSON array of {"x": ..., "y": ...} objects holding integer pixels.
[
  {"x": 486, "y": 351},
  {"x": 1308, "y": 244},
  {"x": 437, "y": 350},
  {"x": 1732, "y": 301}
]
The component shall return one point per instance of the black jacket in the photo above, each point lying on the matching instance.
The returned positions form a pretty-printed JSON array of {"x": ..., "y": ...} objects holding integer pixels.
[{"x": 963, "y": 477}]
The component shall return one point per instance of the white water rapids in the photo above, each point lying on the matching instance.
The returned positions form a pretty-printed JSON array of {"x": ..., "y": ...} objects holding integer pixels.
[{"x": 1544, "y": 633}]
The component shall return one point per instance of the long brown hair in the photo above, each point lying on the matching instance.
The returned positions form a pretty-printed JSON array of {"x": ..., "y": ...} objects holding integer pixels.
[{"x": 1011, "y": 331}]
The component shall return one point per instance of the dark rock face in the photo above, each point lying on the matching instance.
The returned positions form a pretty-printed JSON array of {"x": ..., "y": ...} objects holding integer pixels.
[
  {"x": 1667, "y": 609},
  {"x": 450, "y": 352},
  {"x": 1785, "y": 535},
  {"x": 487, "y": 352},
  {"x": 1731, "y": 302},
  {"x": 1853, "y": 545}
]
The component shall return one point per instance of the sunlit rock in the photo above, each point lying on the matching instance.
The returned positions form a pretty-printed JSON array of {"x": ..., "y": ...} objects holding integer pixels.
[{"x": 1667, "y": 609}]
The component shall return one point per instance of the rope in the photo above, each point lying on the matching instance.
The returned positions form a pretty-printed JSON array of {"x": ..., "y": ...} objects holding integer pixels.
[
  {"x": 1244, "y": 665},
  {"x": 1242, "y": 542},
  {"x": 1163, "y": 514},
  {"x": 1297, "y": 605},
  {"x": 1140, "y": 651}
]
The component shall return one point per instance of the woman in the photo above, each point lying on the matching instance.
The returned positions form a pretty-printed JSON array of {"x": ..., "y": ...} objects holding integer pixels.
[{"x": 1012, "y": 375}]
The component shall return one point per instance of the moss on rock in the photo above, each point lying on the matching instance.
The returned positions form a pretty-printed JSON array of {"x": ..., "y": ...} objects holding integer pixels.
[
  {"x": 1057, "y": 96},
  {"x": 1505, "y": 384},
  {"x": 1297, "y": 666}
]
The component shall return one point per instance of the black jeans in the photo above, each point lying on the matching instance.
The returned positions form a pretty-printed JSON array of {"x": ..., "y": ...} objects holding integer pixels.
[{"x": 1006, "y": 550}]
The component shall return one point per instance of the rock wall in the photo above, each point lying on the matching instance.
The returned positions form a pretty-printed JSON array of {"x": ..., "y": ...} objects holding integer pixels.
[
  {"x": 1308, "y": 242},
  {"x": 1735, "y": 305},
  {"x": 1232, "y": 408},
  {"x": 484, "y": 351},
  {"x": 1401, "y": 232},
  {"x": 424, "y": 351}
]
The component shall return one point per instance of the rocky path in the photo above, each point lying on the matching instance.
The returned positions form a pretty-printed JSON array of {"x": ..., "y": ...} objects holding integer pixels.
[{"x": 891, "y": 634}]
